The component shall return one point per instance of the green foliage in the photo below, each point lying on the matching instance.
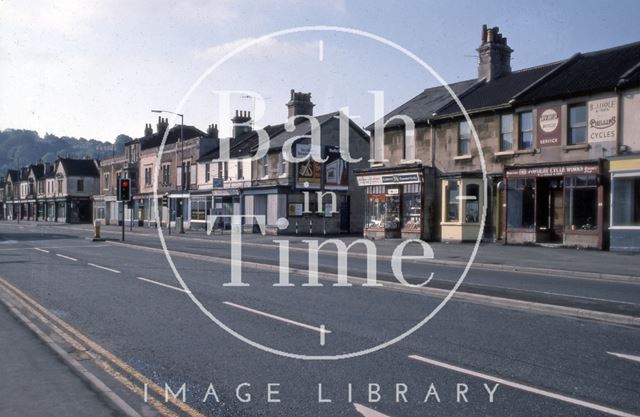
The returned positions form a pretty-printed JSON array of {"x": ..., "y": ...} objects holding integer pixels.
[{"x": 20, "y": 147}]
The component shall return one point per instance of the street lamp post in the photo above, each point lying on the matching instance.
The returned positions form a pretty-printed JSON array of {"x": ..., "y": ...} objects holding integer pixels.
[{"x": 182, "y": 173}]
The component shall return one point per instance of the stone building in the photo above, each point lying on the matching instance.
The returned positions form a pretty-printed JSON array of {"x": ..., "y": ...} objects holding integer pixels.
[
  {"x": 275, "y": 188},
  {"x": 544, "y": 133}
]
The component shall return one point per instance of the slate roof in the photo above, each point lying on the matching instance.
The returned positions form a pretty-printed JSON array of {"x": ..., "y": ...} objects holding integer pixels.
[
  {"x": 14, "y": 174},
  {"x": 496, "y": 93},
  {"x": 589, "y": 73},
  {"x": 38, "y": 170},
  {"x": 421, "y": 107},
  {"x": 189, "y": 132},
  {"x": 80, "y": 167}
]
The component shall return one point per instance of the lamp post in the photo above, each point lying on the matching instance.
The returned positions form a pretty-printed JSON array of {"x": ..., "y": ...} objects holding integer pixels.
[{"x": 182, "y": 173}]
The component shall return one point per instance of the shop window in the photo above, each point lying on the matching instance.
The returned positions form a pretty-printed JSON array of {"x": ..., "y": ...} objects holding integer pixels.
[
  {"x": 577, "y": 124},
  {"x": 198, "y": 209},
  {"x": 581, "y": 202},
  {"x": 411, "y": 207},
  {"x": 464, "y": 138},
  {"x": 525, "y": 134},
  {"x": 472, "y": 203},
  {"x": 375, "y": 212},
  {"x": 521, "y": 197},
  {"x": 626, "y": 201},
  {"x": 453, "y": 202},
  {"x": 506, "y": 132}
]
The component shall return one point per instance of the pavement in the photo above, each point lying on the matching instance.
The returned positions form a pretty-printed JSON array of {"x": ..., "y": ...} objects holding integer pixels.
[
  {"x": 36, "y": 382},
  {"x": 128, "y": 311},
  {"x": 511, "y": 257}
]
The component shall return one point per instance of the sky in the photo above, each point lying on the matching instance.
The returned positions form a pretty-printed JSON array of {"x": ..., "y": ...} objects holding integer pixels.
[{"x": 95, "y": 69}]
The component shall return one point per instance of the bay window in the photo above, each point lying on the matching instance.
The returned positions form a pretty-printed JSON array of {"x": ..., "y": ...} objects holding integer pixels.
[{"x": 626, "y": 201}]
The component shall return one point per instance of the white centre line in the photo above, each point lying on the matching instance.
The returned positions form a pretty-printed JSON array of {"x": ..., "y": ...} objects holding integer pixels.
[
  {"x": 115, "y": 271},
  {"x": 41, "y": 250},
  {"x": 623, "y": 356},
  {"x": 163, "y": 285},
  {"x": 523, "y": 387},
  {"x": 321, "y": 330},
  {"x": 67, "y": 257},
  {"x": 368, "y": 412},
  {"x": 321, "y": 50}
]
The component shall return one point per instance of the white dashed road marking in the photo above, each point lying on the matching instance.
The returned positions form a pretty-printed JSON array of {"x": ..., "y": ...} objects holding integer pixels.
[
  {"x": 523, "y": 387},
  {"x": 162, "y": 285},
  {"x": 321, "y": 330},
  {"x": 368, "y": 412},
  {"x": 67, "y": 257},
  {"x": 115, "y": 271},
  {"x": 623, "y": 356},
  {"x": 41, "y": 250}
]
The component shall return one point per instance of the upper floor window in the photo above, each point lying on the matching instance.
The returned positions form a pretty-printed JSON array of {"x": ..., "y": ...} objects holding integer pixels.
[
  {"x": 464, "y": 138},
  {"x": 283, "y": 165},
  {"x": 80, "y": 185},
  {"x": 265, "y": 166},
  {"x": 226, "y": 170},
  {"x": 506, "y": 132},
  {"x": 577, "y": 124},
  {"x": 106, "y": 181},
  {"x": 207, "y": 174},
  {"x": 59, "y": 186},
  {"x": 239, "y": 166},
  {"x": 166, "y": 174},
  {"x": 525, "y": 134}
]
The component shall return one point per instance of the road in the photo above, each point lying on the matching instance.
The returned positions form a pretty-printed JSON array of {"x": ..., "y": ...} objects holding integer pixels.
[{"x": 125, "y": 303}]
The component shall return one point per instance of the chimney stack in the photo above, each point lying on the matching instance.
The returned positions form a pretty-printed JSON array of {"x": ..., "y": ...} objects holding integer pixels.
[
  {"x": 300, "y": 104},
  {"x": 212, "y": 131},
  {"x": 494, "y": 55},
  {"x": 242, "y": 116},
  {"x": 148, "y": 130},
  {"x": 163, "y": 124}
]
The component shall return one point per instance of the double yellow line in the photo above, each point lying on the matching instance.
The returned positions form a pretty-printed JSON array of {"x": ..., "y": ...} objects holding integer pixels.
[{"x": 108, "y": 362}]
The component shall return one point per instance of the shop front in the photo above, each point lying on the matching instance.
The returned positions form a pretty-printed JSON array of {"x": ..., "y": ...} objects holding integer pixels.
[
  {"x": 462, "y": 200},
  {"x": 624, "y": 228},
  {"x": 395, "y": 202},
  {"x": 555, "y": 205}
]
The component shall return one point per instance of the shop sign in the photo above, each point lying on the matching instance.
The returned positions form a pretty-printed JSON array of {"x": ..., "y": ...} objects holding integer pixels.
[
  {"x": 603, "y": 120},
  {"x": 393, "y": 191},
  {"x": 308, "y": 172},
  {"x": 388, "y": 179},
  {"x": 549, "y": 127},
  {"x": 218, "y": 182},
  {"x": 553, "y": 171}
]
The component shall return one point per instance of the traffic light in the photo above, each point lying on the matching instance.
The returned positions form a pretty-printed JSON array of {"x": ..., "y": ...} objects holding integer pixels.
[
  {"x": 124, "y": 190},
  {"x": 165, "y": 200}
]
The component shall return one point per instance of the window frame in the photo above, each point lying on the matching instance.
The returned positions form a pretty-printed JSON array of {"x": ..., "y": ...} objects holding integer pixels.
[
  {"x": 582, "y": 125},
  {"x": 614, "y": 176},
  {"x": 522, "y": 132},
  {"x": 502, "y": 132},
  {"x": 462, "y": 140}
]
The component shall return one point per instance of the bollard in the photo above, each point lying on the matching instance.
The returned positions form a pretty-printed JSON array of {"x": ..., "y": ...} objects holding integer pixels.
[{"x": 96, "y": 231}]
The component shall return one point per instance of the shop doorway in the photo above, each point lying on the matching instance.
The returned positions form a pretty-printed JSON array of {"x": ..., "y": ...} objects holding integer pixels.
[
  {"x": 550, "y": 210},
  {"x": 392, "y": 220}
]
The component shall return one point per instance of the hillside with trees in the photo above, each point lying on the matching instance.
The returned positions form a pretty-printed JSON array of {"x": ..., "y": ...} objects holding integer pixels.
[{"x": 20, "y": 147}]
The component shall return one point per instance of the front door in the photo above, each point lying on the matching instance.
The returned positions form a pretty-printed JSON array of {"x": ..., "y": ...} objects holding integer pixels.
[
  {"x": 392, "y": 220},
  {"x": 557, "y": 213}
]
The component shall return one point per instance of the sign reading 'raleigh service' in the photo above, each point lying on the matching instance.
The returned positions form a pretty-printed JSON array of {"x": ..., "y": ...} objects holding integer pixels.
[
  {"x": 603, "y": 120},
  {"x": 549, "y": 126}
]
